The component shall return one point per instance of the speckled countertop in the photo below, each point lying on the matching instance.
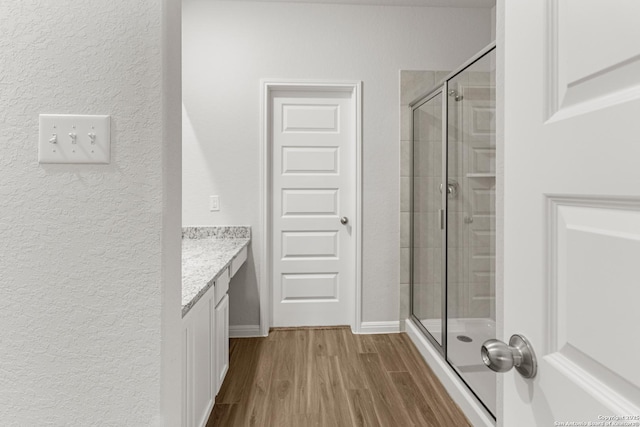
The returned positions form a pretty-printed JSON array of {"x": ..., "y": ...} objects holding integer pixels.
[{"x": 206, "y": 252}]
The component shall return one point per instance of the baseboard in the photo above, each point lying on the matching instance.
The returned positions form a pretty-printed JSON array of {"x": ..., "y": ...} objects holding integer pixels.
[
  {"x": 389, "y": 327},
  {"x": 473, "y": 410},
  {"x": 244, "y": 331}
]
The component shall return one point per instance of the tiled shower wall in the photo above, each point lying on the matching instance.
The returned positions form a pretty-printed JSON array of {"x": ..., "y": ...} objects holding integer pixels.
[{"x": 471, "y": 213}]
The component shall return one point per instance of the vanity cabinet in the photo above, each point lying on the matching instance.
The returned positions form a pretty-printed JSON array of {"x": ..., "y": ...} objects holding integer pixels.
[
  {"x": 198, "y": 361},
  {"x": 205, "y": 352},
  {"x": 205, "y": 349}
]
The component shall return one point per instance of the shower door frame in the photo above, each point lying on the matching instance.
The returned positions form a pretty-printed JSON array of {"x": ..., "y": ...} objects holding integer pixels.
[
  {"x": 443, "y": 88},
  {"x": 439, "y": 89}
]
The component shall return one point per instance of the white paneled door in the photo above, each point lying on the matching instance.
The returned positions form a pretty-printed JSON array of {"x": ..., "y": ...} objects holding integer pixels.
[
  {"x": 572, "y": 210},
  {"x": 313, "y": 137}
]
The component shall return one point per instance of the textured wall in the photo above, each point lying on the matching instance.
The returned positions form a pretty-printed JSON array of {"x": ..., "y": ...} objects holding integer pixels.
[
  {"x": 80, "y": 249},
  {"x": 229, "y": 46}
]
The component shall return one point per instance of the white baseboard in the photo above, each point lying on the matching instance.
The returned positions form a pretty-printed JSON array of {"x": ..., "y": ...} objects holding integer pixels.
[
  {"x": 389, "y": 327},
  {"x": 458, "y": 391},
  {"x": 244, "y": 331}
]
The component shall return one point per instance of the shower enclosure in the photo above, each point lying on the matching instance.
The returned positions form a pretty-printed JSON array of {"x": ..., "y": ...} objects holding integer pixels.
[{"x": 453, "y": 220}]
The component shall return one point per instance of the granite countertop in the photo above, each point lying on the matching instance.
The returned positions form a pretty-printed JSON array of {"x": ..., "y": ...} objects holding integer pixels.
[{"x": 206, "y": 252}]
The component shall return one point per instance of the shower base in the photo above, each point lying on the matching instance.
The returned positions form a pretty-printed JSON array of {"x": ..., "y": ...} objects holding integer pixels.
[{"x": 464, "y": 339}]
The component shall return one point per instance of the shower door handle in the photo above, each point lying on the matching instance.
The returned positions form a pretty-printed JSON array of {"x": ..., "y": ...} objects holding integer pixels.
[
  {"x": 500, "y": 357},
  {"x": 452, "y": 188}
]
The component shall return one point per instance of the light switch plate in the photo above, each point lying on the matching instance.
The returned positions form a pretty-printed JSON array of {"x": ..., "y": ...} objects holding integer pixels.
[
  {"x": 91, "y": 144},
  {"x": 214, "y": 203}
]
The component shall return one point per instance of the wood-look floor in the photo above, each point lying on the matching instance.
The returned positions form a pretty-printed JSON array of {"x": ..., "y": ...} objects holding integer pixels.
[{"x": 330, "y": 377}]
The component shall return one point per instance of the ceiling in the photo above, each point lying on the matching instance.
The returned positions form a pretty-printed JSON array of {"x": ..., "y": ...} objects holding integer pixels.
[{"x": 424, "y": 3}]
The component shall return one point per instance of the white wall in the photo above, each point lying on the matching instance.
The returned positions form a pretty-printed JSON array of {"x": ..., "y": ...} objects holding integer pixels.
[
  {"x": 89, "y": 254},
  {"x": 229, "y": 46}
]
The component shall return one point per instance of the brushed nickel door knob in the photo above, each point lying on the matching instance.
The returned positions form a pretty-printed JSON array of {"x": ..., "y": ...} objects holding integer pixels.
[{"x": 500, "y": 357}]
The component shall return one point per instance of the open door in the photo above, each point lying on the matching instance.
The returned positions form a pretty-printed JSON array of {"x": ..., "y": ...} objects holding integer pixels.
[{"x": 572, "y": 210}]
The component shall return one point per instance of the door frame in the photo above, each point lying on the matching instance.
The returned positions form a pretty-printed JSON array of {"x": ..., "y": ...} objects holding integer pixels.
[{"x": 267, "y": 86}]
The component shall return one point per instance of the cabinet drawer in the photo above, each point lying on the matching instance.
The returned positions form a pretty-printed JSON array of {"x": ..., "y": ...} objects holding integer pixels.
[
  {"x": 221, "y": 286},
  {"x": 238, "y": 261}
]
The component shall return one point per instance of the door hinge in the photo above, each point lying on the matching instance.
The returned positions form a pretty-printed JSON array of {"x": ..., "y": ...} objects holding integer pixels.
[{"x": 441, "y": 219}]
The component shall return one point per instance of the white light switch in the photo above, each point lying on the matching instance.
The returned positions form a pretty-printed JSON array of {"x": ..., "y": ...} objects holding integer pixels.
[
  {"x": 214, "y": 203},
  {"x": 66, "y": 138}
]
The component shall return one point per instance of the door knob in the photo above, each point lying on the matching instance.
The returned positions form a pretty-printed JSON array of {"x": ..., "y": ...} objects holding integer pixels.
[
  {"x": 500, "y": 357},
  {"x": 344, "y": 220}
]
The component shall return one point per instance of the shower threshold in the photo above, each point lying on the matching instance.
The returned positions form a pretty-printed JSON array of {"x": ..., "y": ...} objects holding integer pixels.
[{"x": 464, "y": 356}]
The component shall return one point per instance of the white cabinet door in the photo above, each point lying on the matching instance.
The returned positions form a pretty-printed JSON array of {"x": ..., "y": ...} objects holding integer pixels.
[
  {"x": 187, "y": 373},
  {"x": 222, "y": 341},
  {"x": 198, "y": 362},
  {"x": 572, "y": 209}
]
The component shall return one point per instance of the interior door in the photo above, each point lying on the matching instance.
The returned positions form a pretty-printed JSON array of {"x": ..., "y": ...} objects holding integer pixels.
[
  {"x": 313, "y": 176},
  {"x": 572, "y": 209}
]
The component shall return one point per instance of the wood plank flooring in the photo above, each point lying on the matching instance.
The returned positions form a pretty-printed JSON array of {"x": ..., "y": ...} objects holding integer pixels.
[{"x": 330, "y": 377}]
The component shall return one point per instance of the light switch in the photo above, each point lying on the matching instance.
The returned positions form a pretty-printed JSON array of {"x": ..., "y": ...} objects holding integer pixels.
[
  {"x": 214, "y": 203},
  {"x": 67, "y": 138}
]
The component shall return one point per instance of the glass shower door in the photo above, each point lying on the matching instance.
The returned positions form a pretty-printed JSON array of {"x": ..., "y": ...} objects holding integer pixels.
[
  {"x": 471, "y": 224},
  {"x": 427, "y": 264}
]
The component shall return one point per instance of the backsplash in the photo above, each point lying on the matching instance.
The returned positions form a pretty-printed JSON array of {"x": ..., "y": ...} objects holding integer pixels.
[{"x": 220, "y": 232}]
